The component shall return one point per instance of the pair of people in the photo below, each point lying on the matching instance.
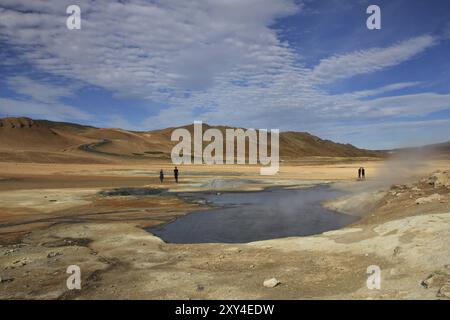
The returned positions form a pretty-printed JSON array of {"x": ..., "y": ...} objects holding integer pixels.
[
  {"x": 175, "y": 174},
  {"x": 361, "y": 173}
]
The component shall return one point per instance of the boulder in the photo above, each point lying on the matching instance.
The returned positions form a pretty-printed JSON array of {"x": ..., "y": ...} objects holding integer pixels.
[
  {"x": 434, "y": 280},
  {"x": 440, "y": 179},
  {"x": 433, "y": 197},
  {"x": 271, "y": 283},
  {"x": 444, "y": 291}
]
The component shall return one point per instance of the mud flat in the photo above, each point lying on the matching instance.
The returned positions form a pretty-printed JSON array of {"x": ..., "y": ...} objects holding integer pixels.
[{"x": 104, "y": 234}]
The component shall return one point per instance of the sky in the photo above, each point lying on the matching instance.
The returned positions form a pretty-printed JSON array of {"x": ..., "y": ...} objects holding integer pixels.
[{"x": 293, "y": 65}]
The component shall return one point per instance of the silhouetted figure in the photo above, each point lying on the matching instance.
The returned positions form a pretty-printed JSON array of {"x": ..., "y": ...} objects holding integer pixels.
[
  {"x": 359, "y": 173},
  {"x": 161, "y": 176},
  {"x": 363, "y": 173},
  {"x": 175, "y": 173}
]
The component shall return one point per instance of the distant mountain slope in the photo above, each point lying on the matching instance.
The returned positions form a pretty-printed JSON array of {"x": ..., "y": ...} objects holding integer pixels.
[
  {"x": 437, "y": 149},
  {"x": 24, "y": 139}
]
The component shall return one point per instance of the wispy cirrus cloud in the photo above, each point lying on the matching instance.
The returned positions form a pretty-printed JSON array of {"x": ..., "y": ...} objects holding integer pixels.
[{"x": 370, "y": 60}]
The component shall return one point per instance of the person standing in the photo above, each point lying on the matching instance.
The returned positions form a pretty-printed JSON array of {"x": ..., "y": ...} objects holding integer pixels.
[
  {"x": 161, "y": 175},
  {"x": 359, "y": 173},
  {"x": 363, "y": 173},
  {"x": 175, "y": 173}
]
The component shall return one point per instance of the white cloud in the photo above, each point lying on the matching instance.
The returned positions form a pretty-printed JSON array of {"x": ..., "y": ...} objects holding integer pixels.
[
  {"x": 393, "y": 134},
  {"x": 38, "y": 90},
  {"x": 57, "y": 112},
  {"x": 370, "y": 60},
  {"x": 151, "y": 50},
  {"x": 41, "y": 99},
  {"x": 212, "y": 60}
]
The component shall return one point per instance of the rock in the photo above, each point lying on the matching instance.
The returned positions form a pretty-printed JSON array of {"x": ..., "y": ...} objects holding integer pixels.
[
  {"x": 21, "y": 262},
  {"x": 53, "y": 254},
  {"x": 440, "y": 179},
  {"x": 415, "y": 189},
  {"x": 444, "y": 291},
  {"x": 428, "y": 282},
  {"x": 271, "y": 283},
  {"x": 4, "y": 280},
  {"x": 200, "y": 287},
  {"x": 9, "y": 252},
  {"x": 434, "y": 280},
  {"x": 433, "y": 197}
]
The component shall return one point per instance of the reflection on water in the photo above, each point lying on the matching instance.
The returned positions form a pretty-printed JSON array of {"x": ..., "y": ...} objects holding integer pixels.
[{"x": 252, "y": 216}]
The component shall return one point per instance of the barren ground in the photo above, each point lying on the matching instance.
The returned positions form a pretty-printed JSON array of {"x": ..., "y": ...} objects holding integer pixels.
[{"x": 53, "y": 216}]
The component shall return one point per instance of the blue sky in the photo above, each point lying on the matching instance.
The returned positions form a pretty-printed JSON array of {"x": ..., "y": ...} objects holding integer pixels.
[{"x": 275, "y": 64}]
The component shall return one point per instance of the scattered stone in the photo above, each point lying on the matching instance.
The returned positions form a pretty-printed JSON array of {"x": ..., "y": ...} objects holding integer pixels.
[
  {"x": 428, "y": 282},
  {"x": 21, "y": 262},
  {"x": 200, "y": 287},
  {"x": 444, "y": 291},
  {"x": 433, "y": 197},
  {"x": 252, "y": 266},
  {"x": 397, "y": 250},
  {"x": 271, "y": 283},
  {"x": 9, "y": 252},
  {"x": 4, "y": 280},
  {"x": 434, "y": 280},
  {"x": 53, "y": 254},
  {"x": 415, "y": 189},
  {"x": 440, "y": 179}
]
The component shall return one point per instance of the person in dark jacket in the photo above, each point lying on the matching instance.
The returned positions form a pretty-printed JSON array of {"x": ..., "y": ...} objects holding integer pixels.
[
  {"x": 175, "y": 173},
  {"x": 363, "y": 173},
  {"x": 161, "y": 175}
]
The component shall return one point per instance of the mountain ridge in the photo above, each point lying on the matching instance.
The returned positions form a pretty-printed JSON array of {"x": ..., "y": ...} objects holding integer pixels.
[{"x": 24, "y": 137}]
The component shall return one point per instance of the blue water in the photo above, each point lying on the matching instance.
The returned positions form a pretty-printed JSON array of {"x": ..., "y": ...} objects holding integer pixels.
[{"x": 251, "y": 216}]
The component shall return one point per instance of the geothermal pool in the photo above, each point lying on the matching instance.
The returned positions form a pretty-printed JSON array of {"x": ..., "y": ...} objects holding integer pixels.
[{"x": 250, "y": 216}]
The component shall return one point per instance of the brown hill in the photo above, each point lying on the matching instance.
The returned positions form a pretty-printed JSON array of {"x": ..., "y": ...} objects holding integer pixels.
[{"x": 27, "y": 140}]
